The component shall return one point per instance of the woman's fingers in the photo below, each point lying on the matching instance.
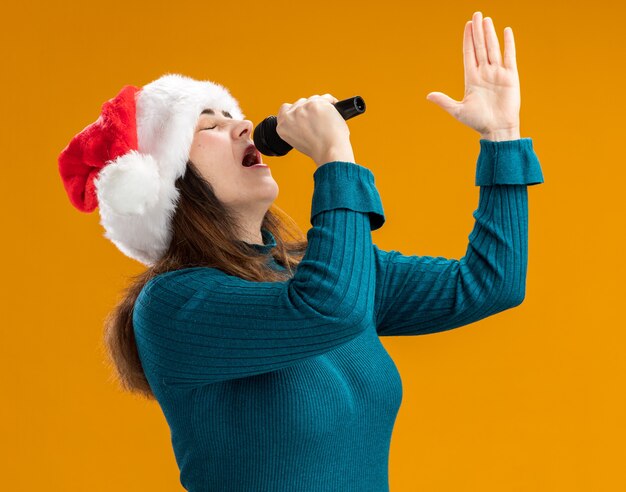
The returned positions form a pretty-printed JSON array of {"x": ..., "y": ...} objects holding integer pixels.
[
  {"x": 493, "y": 46},
  {"x": 298, "y": 103},
  {"x": 481, "y": 45},
  {"x": 469, "y": 56},
  {"x": 331, "y": 98},
  {"x": 479, "y": 38},
  {"x": 509, "y": 49}
]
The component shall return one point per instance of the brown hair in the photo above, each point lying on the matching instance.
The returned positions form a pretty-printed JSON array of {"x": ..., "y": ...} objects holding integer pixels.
[{"x": 204, "y": 233}]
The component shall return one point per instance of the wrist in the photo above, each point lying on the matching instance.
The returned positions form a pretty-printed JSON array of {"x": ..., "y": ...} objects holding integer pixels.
[
  {"x": 344, "y": 154},
  {"x": 503, "y": 134}
]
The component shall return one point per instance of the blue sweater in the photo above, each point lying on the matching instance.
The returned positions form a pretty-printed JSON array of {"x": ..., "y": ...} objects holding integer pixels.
[{"x": 285, "y": 386}]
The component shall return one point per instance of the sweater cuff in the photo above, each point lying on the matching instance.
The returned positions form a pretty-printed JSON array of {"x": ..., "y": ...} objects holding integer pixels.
[
  {"x": 508, "y": 162},
  {"x": 341, "y": 184}
]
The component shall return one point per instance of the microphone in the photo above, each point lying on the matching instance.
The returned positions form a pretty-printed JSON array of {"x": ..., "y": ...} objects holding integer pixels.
[{"x": 268, "y": 142}]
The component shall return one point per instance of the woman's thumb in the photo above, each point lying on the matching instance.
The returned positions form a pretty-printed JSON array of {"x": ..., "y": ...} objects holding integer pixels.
[{"x": 440, "y": 99}]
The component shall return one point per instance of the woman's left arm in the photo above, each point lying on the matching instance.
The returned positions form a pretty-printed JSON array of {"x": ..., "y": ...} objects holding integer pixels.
[{"x": 416, "y": 295}]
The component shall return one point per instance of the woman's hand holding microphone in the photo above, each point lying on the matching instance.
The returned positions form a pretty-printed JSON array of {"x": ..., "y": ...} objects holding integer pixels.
[{"x": 314, "y": 127}]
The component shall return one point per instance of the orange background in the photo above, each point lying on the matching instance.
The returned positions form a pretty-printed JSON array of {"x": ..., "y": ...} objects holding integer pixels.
[{"x": 530, "y": 399}]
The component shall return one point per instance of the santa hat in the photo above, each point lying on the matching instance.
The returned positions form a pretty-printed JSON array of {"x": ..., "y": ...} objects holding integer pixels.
[{"x": 127, "y": 161}]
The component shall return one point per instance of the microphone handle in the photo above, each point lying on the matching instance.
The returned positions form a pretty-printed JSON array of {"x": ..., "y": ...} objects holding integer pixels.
[{"x": 268, "y": 142}]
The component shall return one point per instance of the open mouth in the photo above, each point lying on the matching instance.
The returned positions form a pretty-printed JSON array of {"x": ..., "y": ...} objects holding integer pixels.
[{"x": 251, "y": 157}]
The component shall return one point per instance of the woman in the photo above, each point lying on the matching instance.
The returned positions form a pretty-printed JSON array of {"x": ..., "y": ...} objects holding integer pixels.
[{"x": 264, "y": 354}]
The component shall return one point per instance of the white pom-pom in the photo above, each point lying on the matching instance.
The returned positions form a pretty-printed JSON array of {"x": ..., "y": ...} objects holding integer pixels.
[{"x": 129, "y": 184}]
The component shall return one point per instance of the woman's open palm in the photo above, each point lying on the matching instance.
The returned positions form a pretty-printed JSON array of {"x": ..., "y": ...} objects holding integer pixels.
[{"x": 491, "y": 103}]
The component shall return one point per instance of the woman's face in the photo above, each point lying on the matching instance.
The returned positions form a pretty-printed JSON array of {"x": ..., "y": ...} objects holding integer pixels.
[{"x": 217, "y": 151}]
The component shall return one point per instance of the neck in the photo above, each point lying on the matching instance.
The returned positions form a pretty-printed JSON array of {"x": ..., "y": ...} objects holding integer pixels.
[
  {"x": 250, "y": 220},
  {"x": 251, "y": 230}
]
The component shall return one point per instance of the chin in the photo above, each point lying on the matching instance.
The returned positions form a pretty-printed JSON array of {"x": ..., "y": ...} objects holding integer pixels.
[{"x": 275, "y": 191}]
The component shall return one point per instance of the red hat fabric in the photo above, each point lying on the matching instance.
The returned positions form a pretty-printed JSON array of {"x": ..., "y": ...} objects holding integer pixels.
[{"x": 113, "y": 134}]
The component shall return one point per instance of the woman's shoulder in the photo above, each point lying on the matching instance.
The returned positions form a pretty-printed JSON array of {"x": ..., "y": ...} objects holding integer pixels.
[
  {"x": 187, "y": 272},
  {"x": 179, "y": 278},
  {"x": 166, "y": 292}
]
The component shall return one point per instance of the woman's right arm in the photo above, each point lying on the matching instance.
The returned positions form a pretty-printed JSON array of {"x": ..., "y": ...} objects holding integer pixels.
[{"x": 198, "y": 326}]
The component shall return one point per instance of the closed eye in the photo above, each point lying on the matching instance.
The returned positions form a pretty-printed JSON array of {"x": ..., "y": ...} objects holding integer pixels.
[{"x": 210, "y": 128}]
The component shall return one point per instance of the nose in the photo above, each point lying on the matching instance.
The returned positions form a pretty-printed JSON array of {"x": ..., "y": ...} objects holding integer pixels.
[{"x": 243, "y": 128}]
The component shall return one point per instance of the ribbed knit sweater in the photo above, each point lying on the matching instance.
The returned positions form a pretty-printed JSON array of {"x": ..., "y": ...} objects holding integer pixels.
[{"x": 285, "y": 386}]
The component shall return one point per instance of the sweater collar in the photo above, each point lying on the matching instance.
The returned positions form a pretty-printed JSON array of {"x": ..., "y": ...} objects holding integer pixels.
[{"x": 268, "y": 242}]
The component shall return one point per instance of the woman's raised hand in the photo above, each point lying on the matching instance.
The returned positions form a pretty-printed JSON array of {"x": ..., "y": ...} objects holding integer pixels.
[{"x": 491, "y": 103}]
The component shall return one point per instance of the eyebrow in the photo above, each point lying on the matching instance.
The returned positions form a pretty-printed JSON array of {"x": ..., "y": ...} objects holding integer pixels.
[{"x": 210, "y": 111}]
